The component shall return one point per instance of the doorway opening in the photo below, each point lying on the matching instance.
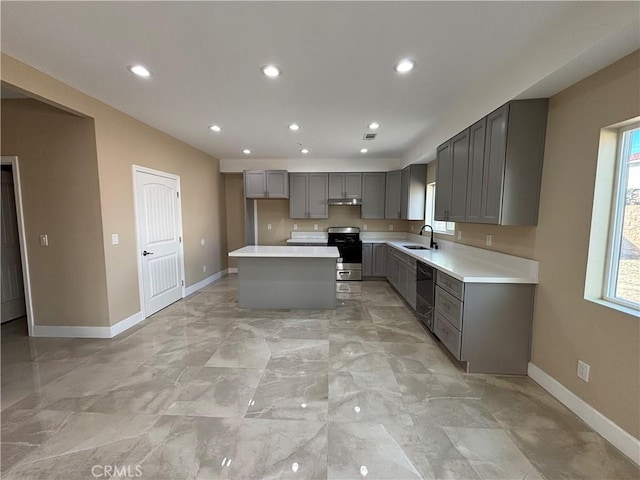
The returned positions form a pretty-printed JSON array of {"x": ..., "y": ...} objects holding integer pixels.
[{"x": 16, "y": 312}]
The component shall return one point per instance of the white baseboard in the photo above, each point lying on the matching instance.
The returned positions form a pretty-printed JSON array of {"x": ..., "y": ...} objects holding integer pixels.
[
  {"x": 232, "y": 270},
  {"x": 87, "y": 332},
  {"x": 203, "y": 283},
  {"x": 623, "y": 441},
  {"x": 126, "y": 324},
  {"x": 71, "y": 332}
]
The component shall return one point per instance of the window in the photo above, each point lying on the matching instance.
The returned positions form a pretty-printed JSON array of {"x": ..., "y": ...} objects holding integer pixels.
[
  {"x": 448, "y": 228},
  {"x": 622, "y": 274}
]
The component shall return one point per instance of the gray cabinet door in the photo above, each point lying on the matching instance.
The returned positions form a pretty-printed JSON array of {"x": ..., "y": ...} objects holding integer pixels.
[
  {"x": 336, "y": 185},
  {"x": 255, "y": 184},
  {"x": 367, "y": 260},
  {"x": 373, "y": 199},
  {"x": 318, "y": 194},
  {"x": 459, "y": 169},
  {"x": 277, "y": 184},
  {"x": 476, "y": 171},
  {"x": 353, "y": 185},
  {"x": 379, "y": 259},
  {"x": 404, "y": 192},
  {"x": 495, "y": 151},
  {"x": 443, "y": 182},
  {"x": 403, "y": 278},
  {"x": 298, "y": 190},
  {"x": 392, "y": 195}
]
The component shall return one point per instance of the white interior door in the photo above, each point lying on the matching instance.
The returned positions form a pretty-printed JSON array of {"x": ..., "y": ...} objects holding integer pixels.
[
  {"x": 159, "y": 236},
  {"x": 13, "y": 301}
]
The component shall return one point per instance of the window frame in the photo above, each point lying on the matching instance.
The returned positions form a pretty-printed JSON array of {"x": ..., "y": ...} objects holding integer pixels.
[
  {"x": 429, "y": 213},
  {"x": 616, "y": 220}
]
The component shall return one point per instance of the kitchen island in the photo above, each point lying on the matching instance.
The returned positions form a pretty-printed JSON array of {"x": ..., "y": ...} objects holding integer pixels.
[{"x": 286, "y": 276}]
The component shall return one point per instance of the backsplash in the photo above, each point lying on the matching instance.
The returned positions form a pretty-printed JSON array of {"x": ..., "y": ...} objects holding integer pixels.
[{"x": 276, "y": 213}]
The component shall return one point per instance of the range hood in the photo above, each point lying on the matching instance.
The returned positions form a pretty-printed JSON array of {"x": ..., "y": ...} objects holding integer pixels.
[{"x": 345, "y": 201}]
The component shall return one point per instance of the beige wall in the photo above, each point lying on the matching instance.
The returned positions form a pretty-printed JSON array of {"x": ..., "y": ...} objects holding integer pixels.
[
  {"x": 567, "y": 327},
  {"x": 122, "y": 141},
  {"x": 234, "y": 187},
  {"x": 60, "y": 196},
  {"x": 276, "y": 213}
]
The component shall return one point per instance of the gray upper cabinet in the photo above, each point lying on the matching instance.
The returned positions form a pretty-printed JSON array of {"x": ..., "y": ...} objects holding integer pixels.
[
  {"x": 298, "y": 196},
  {"x": 513, "y": 154},
  {"x": 476, "y": 171},
  {"x": 413, "y": 185},
  {"x": 504, "y": 170},
  {"x": 266, "y": 184},
  {"x": 392, "y": 195},
  {"x": 459, "y": 169},
  {"x": 308, "y": 195},
  {"x": 451, "y": 184},
  {"x": 443, "y": 182},
  {"x": 373, "y": 195},
  {"x": 345, "y": 185}
]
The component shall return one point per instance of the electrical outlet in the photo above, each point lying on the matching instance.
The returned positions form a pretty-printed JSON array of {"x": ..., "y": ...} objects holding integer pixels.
[
  {"x": 583, "y": 371},
  {"x": 315, "y": 226},
  {"x": 295, "y": 226},
  {"x": 114, "y": 239},
  {"x": 459, "y": 234},
  {"x": 364, "y": 227},
  {"x": 391, "y": 226},
  {"x": 204, "y": 268},
  {"x": 489, "y": 240},
  {"x": 44, "y": 240},
  {"x": 268, "y": 226}
]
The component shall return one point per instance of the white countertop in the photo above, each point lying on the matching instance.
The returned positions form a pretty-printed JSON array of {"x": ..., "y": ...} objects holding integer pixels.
[
  {"x": 473, "y": 265},
  {"x": 285, "y": 252}
]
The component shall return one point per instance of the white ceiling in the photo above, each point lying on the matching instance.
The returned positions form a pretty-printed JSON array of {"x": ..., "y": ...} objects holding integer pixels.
[{"x": 337, "y": 60}]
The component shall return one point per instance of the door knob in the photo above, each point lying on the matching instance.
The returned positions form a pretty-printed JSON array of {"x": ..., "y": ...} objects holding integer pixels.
[{"x": 145, "y": 253}]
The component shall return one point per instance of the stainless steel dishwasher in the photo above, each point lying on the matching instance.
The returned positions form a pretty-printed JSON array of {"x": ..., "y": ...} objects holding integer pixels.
[{"x": 425, "y": 293}]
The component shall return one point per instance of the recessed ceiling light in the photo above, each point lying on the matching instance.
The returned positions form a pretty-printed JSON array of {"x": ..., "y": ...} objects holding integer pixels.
[
  {"x": 374, "y": 126},
  {"x": 246, "y": 151},
  {"x": 270, "y": 71},
  {"x": 364, "y": 150},
  {"x": 304, "y": 150},
  {"x": 405, "y": 65},
  {"x": 215, "y": 128},
  {"x": 139, "y": 70},
  {"x": 294, "y": 126}
]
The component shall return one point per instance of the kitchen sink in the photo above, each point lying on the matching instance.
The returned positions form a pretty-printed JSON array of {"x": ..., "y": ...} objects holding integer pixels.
[{"x": 415, "y": 247}]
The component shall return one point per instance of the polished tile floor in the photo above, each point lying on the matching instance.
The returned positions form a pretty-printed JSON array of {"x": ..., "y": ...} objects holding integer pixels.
[{"x": 204, "y": 390}]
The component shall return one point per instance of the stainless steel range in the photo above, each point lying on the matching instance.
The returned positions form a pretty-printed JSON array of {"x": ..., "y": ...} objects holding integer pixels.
[{"x": 347, "y": 239}]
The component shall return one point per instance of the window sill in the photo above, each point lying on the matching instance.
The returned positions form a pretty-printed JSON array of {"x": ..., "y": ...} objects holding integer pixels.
[
  {"x": 615, "y": 306},
  {"x": 439, "y": 232}
]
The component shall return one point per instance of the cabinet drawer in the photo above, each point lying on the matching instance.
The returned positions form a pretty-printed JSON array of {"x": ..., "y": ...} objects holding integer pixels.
[
  {"x": 452, "y": 285},
  {"x": 448, "y": 334},
  {"x": 450, "y": 307}
]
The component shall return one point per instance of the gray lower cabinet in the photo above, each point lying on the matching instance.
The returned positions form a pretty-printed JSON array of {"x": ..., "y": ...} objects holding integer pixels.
[
  {"x": 401, "y": 274},
  {"x": 309, "y": 193},
  {"x": 373, "y": 259},
  {"x": 367, "y": 259},
  {"x": 373, "y": 195},
  {"x": 487, "y": 325},
  {"x": 266, "y": 184},
  {"x": 392, "y": 194},
  {"x": 345, "y": 185}
]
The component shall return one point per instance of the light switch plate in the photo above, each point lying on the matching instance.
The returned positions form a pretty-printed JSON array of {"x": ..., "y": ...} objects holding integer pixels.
[
  {"x": 44, "y": 240},
  {"x": 364, "y": 227},
  {"x": 202, "y": 242},
  {"x": 268, "y": 226},
  {"x": 459, "y": 234},
  {"x": 295, "y": 226},
  {"x": 315, "y": 226},
  {"x": 583, "y": 371},
  {"x": 489, "y": 240},
  {"x": 114, "y": 239}
]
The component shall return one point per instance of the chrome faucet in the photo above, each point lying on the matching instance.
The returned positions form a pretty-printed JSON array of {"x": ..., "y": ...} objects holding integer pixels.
[{"x": 432, "y": 244}]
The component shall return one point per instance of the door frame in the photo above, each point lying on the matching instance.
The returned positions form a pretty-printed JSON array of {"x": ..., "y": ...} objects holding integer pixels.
[
  {"x": 140, "y": 169},
  {"x": 24, "y": 258}
]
